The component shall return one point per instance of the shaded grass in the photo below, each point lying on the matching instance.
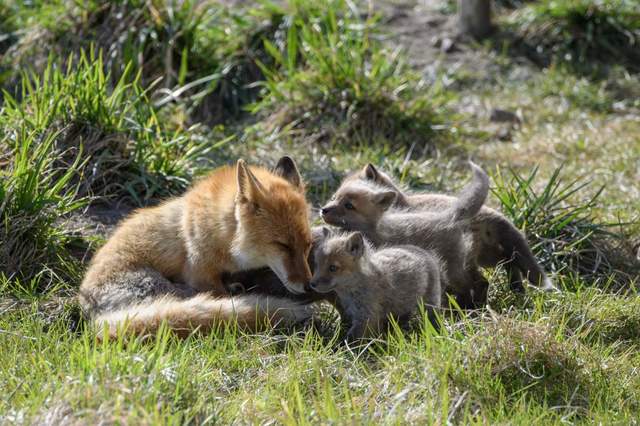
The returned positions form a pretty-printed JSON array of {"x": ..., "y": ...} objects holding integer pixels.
[
  {"x": 585, "y": 35},
  {"x": 201, "y": 53}
]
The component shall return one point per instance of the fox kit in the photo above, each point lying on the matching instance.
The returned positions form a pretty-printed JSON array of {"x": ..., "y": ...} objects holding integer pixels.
[
  {"x": 167, "y": 262},
  {"x": 366, "y": 206},
  {"x": 372, "y": 285},
  {"x": 496, "y": 240}
]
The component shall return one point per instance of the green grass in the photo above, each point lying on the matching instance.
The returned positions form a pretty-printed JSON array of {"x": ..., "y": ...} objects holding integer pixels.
[
  {"x": 586, "y": 35},
  {"x": 536, "y": 364},
  {"x": 565, "y": 236},
  {"x": 127, "y": 149},
  {"x": 34, "y": 195},
  {"x": 128, "y": 102},
  {"x": 201, "y": 52},
  {"x": 334, "y": 82}
]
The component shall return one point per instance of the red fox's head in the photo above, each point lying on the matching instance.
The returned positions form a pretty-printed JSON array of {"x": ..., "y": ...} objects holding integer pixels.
[{"x": 273, "y": 222}]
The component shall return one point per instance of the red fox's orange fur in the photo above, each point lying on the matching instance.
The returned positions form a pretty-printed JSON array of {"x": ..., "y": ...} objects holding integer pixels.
[{"x": 166, "y": 262}]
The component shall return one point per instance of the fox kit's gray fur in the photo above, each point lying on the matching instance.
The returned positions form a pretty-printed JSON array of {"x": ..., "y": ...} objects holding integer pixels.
[
  {"x": 367, "y": 208},
  {"x": 495, "y": 239},
  {"x": 372, "y": 285}
]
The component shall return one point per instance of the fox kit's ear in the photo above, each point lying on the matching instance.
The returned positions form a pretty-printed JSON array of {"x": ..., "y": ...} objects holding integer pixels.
[
  {"x": 370, "y": 172},
  {"x": 326, "y": 231},
  {"x": 384, "y": 199},
  {"x": 249, "y": 188},
  {"x": 317, "y": 234},
  {"x": 355, "y": 244},
  {"x": 287, "y": 169}
]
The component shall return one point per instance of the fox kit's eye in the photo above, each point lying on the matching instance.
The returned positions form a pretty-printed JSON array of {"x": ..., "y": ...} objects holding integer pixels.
[
  {"x": 349, "y": 206},
  {"x": 333, "y": 268}
]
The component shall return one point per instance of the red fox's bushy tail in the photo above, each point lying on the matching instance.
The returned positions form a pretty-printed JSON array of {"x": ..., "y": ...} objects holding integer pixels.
[{"x": 201, "y": 312}]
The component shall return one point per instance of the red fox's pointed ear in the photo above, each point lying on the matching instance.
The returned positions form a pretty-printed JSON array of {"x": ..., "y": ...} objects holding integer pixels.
[
  {"x": 248, "y": 185},
  {"x": 287, "y": 169},
  {"x": 370, "y": 172}
]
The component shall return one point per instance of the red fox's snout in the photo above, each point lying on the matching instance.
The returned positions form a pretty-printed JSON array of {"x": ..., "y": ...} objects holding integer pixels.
[
  {"x": 299, "y": 273},
  {"x": 293, "y": 271}
]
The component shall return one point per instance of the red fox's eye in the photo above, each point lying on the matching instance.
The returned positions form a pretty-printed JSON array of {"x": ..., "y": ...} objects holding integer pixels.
[
  {"x": 349, "y": 206},
  {"x": 283, "y": 246},
  {"x": 333, "y": 268}
]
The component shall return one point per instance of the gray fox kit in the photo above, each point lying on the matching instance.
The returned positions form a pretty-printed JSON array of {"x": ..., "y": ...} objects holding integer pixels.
[
  {"x": 496, "y": 240},
  {"x": 367, "y": 207},
  {"x": 371, "y": 285}
]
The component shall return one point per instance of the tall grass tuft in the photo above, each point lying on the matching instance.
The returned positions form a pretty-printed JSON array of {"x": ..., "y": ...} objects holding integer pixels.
[
  {"x": 35, "y": 194},
  {"x": 566, "y": 236},
  {"x": 128, "y": 150},
  {"x": 334, "y": 81}
]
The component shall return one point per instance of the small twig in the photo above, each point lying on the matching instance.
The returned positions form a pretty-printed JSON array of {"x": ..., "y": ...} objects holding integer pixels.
[{"x": 456, "y": 406}]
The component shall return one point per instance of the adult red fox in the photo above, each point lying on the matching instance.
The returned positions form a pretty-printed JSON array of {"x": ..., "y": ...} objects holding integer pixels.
[{"x": 166, "y": 263}]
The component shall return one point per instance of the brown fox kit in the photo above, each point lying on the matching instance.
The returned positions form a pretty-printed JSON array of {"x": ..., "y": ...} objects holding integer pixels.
[
  {"x": 496, "y": 240},
  {"x": 372, "y": 285},
  {"x": 367, "y": 207},
  {"x": 166, "y": 263}
]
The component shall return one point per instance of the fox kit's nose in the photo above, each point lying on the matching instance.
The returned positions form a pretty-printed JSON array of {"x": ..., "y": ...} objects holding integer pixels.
[{"x": 325, "y": 210}]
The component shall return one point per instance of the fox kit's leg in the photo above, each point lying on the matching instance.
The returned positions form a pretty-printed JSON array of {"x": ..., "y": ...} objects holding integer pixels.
[
  {"x": 515, "y": 278},
  {"x": 479, "y": 288},
  {"x": 356, "y": 331},
  {"x": 501, "y": 242}
]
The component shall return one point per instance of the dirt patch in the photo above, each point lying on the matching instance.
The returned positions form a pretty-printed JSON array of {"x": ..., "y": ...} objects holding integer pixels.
[
  {"x": 96, "y": 221},
  {"x": 431, "y": 40}
]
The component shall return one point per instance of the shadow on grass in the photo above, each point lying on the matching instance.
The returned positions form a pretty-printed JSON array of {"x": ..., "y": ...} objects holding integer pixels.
[{"x": 586, "y": 37}]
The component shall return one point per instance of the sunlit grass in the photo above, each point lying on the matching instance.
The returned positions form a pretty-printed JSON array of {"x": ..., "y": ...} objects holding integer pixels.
[{"x": 140, "y": 120}]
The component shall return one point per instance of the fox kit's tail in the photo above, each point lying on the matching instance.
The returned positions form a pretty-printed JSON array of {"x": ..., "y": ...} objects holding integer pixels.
[
  {"x": 472, "y": 197},
  {"x": 202, "y": 312}
]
